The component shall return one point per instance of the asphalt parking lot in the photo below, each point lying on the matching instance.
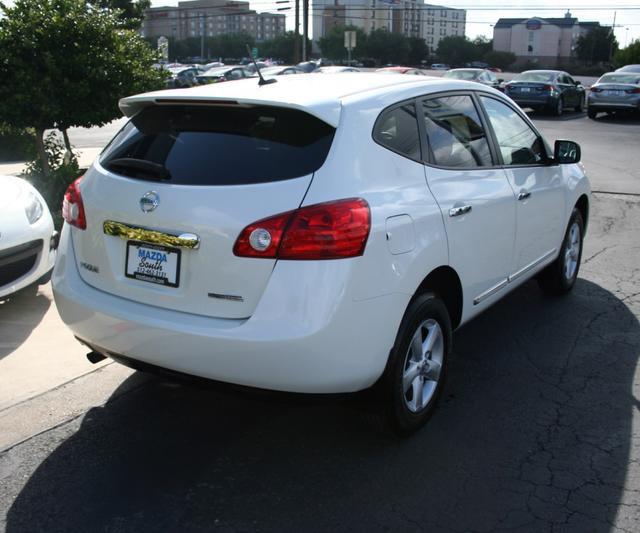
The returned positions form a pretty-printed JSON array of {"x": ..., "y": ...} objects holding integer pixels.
[{"x": 537, "y": 429}]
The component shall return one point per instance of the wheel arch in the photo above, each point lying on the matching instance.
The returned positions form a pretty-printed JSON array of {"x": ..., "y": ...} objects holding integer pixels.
[
  {"x": 582, "y": 205},
  {"x": 445, "y": 282}
]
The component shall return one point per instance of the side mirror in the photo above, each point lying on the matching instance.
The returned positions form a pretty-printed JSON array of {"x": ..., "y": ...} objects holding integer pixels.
[
  {"x": 500, "y": 80},
  {"x": 566, "y": 152},
  {"x": 577, "y": 82}
]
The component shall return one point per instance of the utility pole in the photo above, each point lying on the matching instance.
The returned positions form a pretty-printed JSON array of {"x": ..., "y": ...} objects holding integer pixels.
[
  {"x": 201, "y": 37},
  {"x": 613, "y": 36},
  {"x": 296, "y": 37},
  {"x": 305, "y": 29}
]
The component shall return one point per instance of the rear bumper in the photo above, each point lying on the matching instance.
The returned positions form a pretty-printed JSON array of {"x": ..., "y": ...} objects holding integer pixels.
[
  {"x": 306, "y": 334},
  {"x": 531, "y": 101},
  {"x": 614, "y": 106}
]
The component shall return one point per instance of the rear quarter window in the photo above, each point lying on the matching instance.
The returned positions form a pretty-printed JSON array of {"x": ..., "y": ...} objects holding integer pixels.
[{"x": 218, "y": 145}]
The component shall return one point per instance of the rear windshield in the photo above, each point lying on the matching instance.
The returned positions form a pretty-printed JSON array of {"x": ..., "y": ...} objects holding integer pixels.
[
  {"x": 216, "y": 145},
  {"x": 536, "y": 76},
  {"x": 633, "y": 79},
  {"x": 462, "y": 74}
]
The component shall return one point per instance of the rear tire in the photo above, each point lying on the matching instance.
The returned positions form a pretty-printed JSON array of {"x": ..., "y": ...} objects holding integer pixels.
[
  {"x": 417, "y": 365},
  {"x": 560, "y": 276},
  {"x": 558, "y": 108}
]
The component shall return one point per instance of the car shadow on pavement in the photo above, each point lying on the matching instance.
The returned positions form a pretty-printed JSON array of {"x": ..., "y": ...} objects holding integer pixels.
[
  {"x": 533, "y": 431},
  {"x": 20, "y": 314},
  {"x": 622, "y": 120},
  {"x": 566, "y": 116}
]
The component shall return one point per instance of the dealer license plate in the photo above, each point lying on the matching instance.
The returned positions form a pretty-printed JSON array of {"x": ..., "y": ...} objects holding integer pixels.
[{"x": 153, "y": 263}]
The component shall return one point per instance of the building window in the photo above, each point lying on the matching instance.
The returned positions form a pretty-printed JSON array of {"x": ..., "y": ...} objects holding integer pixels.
[
  {"x": 443, "y": 31},
  {"x": 443, "y": 13}
]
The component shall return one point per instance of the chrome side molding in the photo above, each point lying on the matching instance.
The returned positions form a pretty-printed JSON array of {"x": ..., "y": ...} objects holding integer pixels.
[
  {"x": 531, "y": 265},
  {"x": 491, "y": 291},
  {"x": 118, "y": 229}
]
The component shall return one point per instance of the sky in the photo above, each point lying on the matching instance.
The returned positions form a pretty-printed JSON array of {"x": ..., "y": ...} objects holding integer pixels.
[{"x": 481, "y": 17}]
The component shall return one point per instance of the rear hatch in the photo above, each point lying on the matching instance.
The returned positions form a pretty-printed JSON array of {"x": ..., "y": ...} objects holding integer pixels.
[{"x": 178, "y": 175}]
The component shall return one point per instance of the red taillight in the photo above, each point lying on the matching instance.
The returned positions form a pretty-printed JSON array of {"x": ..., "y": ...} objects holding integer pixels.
[
  {"x": 596, "y": 90},
  {"x": 72, "y": 206},
  {"x": 332, "y": 230},
  {"x": 549, "y": 88},
  {"x": 635, "y": 90}
]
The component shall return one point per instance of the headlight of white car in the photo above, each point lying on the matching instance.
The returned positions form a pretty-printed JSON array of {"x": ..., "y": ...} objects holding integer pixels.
[{"x": 33, "y": 208}]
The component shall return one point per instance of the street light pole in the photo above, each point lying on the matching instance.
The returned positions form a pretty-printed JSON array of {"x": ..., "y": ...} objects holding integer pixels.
[
  {"x": 305, "y": 28},
  {"x": 202, "y": 38},
  {"x": 296, "y": 36}
]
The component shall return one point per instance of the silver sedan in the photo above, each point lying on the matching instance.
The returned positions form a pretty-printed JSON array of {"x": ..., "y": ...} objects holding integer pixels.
[{"x": 613, "y": 92}]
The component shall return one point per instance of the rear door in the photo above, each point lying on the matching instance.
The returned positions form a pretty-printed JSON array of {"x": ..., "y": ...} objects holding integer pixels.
[
  {"x": 476, "y": 200},
  {"x": 569, "y": 91},
  {"x": 538, "y": 185},
  {"x": 180, "y": 175}
]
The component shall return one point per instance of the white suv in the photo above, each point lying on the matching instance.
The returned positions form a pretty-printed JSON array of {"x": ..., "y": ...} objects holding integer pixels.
[{"x": 320, "y": 234}]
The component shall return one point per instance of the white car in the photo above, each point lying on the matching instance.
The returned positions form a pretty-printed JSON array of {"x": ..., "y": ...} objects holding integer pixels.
[
  {"x": 320, "y": 234},
  {"x": 27, "y": 238}
]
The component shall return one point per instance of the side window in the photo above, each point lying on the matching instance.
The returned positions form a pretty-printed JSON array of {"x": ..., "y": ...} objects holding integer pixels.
[
  {"x": 454, "y": 132},
  {"x": 518, "y": 143},
  {"x": 397, "y": 129}
]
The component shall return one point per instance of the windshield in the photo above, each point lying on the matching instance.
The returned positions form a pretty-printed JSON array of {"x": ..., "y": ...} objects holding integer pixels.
[
  {"x": 620, "y": 78},
  {"x": 462, "y": 74},
  {"x": 545, "y": 77},
  {"x": 216, "y": 145}
]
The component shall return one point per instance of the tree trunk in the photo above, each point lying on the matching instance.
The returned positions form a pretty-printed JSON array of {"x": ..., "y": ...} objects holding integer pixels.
[
  {"x": 42, "y": 153},
  {"x": 68, "y": 156},
  {"x": 67, "y": 143}
]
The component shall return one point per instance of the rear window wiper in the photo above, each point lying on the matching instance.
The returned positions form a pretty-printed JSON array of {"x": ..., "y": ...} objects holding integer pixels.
[{"x": 149, "y": 168}]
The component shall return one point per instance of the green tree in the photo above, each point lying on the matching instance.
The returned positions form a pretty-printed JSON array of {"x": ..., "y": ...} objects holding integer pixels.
[
  {"x": 418, "y": 50},
  {"x": 628, "y": 56},
  {"x": 502, "y": 60},
  {"x": 483, "y": 46},
  {"x": 66, "y": 63},
  {"x": 232, "y": 45},
  {"x": 388, "y": 47},
  {"x": 282, "y": 47},
  {"x": 598, "y": 45},
  {"x": 456, "y": 50},
  {"x": 129, "y": 11},
  {"x": 332, "y": 44}
]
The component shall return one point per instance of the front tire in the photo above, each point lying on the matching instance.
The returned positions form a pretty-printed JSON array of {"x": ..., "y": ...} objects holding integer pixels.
[
  {"x": 592, "y": 114},
  {"x": 560, "y": 276},
  {"x": 417, "y": 365}
]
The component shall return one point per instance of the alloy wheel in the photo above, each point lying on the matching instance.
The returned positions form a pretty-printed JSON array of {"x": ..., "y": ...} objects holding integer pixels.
[{"x": 423, "y": 365}]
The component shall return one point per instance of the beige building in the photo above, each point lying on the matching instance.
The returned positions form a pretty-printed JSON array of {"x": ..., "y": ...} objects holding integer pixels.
[
  {"x": 547, "y": 42},
  {"x": 412, "y": 18},
  {"x": 211, "y": 18}
]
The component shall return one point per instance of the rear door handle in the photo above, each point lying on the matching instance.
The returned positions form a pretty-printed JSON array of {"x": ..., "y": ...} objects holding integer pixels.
[
  {"x": 459, "y": 210},
  {"x": 523, "y": 195}
]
